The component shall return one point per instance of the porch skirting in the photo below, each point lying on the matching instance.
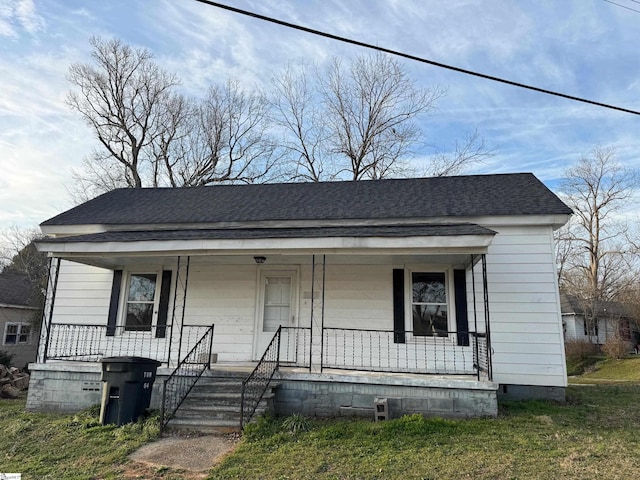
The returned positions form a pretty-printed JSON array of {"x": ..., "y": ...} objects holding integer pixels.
[{"x": 331, "y": 394}]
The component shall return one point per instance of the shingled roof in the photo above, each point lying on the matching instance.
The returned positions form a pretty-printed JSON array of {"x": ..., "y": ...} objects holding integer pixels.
[
  {"x": 15, "y": 289},
  {"x": 461, "y": 196}
]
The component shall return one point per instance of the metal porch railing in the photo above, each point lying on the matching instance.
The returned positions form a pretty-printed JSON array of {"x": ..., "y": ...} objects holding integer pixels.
[
  {"x": 256, "y": 384},
  {"x": 90, "y": 343},
  {"x": 177, "y": 386},
  {"x": 453, "y": 353}
]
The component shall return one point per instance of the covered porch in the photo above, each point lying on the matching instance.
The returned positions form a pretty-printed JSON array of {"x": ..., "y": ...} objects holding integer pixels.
[
  {"x": 403, "y": 311},
  {"x": 311, "y": 332}
]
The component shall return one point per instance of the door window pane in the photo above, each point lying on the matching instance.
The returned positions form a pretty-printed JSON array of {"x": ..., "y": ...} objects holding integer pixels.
[{"x": 277, "y": 303}]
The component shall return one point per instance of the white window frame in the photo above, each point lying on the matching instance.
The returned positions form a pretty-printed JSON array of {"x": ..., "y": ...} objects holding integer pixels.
[
  {"x": 124, "y": 299},
  {"x": 18, "y": 333},
  {"x": 450, "y": 293}
]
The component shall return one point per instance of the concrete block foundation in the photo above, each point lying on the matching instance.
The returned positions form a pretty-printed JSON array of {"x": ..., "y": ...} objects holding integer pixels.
[
  {"x": 339, "y": 394},
  {"x": 73, "y": 386}
]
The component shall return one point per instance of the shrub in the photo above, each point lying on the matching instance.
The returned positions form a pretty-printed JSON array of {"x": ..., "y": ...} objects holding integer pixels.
[
  {"x": 579, "y": 349},
  {"x": 581, "y": 355},
  {"x": 297, "y": 423},
  {"x": 5, "y": 358},
  {"x": 616, "y": 347}
]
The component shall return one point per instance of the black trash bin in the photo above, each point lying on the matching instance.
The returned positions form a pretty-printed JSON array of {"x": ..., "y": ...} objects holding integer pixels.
[{"x": 126, "y": 388}]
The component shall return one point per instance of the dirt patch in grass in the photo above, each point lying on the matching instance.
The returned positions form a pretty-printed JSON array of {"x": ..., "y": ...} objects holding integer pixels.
[{"x": 194, "y": 454}]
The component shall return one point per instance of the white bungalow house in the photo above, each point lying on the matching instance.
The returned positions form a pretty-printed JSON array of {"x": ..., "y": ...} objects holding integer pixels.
[{"x": 435, "y": 294}]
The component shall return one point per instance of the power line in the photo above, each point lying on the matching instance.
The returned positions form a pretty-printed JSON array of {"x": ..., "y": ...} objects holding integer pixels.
[
  {"x": 623, "y": 6},
  {"x": 413, "y": 57}
]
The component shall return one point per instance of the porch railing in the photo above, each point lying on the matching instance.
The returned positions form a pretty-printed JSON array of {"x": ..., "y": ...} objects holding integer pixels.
[
  {"x": 482, "y": 355},
  {"x": 256, "y": 384},
  {"x": 177, "y": 386},
  {"x": 92, "y": 342},
  {"x": 456, "y": 353},
  {"x": 295, "y": 346}
]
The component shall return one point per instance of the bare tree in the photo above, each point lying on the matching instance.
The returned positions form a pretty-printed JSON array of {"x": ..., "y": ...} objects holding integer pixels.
[
  {"x": 370, "y": 109},
  {"x": 597, "y": 269},
  {"x": 469, "y": 151},
  {"x": 126, "y": 98},
  {"x": 359, "y": 121},
  {"x": 296, "y": 111},
  {"x": 152, "y": 136},
  {"x": 228, "y": 139}
]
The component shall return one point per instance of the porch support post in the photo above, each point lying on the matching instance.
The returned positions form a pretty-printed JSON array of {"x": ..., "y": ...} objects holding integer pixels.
[
  {"x": 317, "y": 312},
  {"x": 487, "y": 326},
  {"x": 47, "y": 309},
  {"x": 476, "y": 350},
  {"x": 179, "y": 305}
]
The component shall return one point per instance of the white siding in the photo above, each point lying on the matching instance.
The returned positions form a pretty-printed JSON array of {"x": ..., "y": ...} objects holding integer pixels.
[
  {"x": 356, "y": 296},
  {"x": 224, "y": 295},
  {"x": 526, "y": 327},
  {"x": 83, "y": 294}
]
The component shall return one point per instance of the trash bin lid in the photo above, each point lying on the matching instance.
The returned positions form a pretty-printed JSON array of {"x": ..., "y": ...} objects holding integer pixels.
[{"x": 130, "y": 360}]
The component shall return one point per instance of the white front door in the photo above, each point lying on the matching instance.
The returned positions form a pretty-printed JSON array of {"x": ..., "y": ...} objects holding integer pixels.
[{"x": 277, "y": 306}]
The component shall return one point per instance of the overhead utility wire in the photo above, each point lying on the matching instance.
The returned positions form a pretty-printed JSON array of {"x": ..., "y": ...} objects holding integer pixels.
[
  {"x": 413, "y": 57},
  {"x": 622, "y": 6}
]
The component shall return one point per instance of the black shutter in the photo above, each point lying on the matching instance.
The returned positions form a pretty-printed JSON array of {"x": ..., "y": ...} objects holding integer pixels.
[
  {"x": 462, "y": 318},
  {"x": 113, "y": 303},
  {"x": 163, "y": 306},
  {"x": 398, "y": 305}
]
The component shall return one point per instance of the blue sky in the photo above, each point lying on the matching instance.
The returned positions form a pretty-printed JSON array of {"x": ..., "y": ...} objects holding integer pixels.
[{"x": 586, "y": 48}]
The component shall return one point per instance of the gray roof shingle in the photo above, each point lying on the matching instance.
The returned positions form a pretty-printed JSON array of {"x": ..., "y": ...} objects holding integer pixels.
[
  {"x": 15, "y": 289},
  {"x": 462, "y": 196}
]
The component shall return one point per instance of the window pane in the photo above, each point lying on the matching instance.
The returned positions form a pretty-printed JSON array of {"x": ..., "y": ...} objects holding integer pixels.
[
  {"x": 139, "y": 316},
  {"x": 430, "y": 320},
  {"x": 277, "y": 290},
  {"x": 428, "y": 287},
  {"x": 142, "y": 287},
  {"x": 24, "y": 334}
]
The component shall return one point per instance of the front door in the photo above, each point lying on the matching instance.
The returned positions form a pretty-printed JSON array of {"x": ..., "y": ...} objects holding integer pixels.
[{"x": 276, "y": 306}]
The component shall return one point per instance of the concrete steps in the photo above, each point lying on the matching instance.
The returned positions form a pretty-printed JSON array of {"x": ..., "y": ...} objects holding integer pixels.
[{"x": 213, "y": 405}]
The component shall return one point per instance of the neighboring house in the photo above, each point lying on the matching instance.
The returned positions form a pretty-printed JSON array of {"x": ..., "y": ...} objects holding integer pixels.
[
  {"x": 434, "y": 293},
  {"x": 18, "y": 310},
  {"x": 611, "y": 319}
]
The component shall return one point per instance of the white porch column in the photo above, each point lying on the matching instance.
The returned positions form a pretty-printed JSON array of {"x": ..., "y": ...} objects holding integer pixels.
[{"x": 317, "y": 311}]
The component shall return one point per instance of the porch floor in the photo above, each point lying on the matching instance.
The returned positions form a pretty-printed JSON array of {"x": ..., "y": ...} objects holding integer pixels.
[{"x": 356, "y": 376}]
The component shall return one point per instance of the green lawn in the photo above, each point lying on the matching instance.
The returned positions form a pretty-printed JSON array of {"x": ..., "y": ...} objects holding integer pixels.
[
  {"x": 49, "y": 446},
  {"x": 611, "y": 370},
  {"x": 594, "y": 435}
]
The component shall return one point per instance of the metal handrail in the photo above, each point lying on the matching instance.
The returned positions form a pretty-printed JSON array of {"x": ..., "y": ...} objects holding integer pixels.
[
  {"x": 177, "y": 386},
  {"x": 256, "y": 384}
]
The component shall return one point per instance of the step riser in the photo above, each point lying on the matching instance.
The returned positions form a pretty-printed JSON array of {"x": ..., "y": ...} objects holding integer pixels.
[{"x": 213, "y": 406}]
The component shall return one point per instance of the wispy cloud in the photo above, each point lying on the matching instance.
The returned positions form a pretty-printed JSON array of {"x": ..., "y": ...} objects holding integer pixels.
[{"x": 17, "y": 16}]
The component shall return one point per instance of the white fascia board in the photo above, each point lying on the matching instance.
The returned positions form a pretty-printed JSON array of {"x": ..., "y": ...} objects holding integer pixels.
[{"x": 435, "y": 244}]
